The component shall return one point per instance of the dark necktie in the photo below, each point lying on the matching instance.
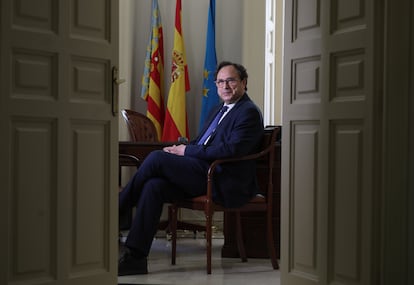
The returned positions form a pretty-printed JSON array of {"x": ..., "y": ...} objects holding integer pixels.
[{"x": 213, "y": 125}]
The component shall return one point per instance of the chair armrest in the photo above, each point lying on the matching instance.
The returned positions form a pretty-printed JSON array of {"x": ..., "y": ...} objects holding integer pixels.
[
  {"x": 253, "y": 156},
  {"x": 269, "y": 151}
]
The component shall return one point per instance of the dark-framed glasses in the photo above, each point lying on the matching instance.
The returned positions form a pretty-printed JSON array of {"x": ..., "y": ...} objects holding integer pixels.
[{"x": 230, "y": 81}]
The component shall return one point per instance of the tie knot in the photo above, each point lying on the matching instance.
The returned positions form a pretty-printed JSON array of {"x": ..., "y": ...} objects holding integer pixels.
[{"x": 224, "y": 109}]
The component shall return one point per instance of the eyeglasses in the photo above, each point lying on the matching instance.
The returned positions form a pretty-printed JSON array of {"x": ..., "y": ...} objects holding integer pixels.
[{"x": 223, "y": 83}]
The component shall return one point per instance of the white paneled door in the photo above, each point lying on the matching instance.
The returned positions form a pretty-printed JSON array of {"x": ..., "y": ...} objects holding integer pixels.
[
  {"x": 59, "y": 142},
  {"x": 328, "y": 133}
]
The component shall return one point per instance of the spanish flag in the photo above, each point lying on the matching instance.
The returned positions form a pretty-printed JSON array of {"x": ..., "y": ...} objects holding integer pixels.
[
  {"x": 153, "y": 78},
  {"x": 176, "y": 124}
]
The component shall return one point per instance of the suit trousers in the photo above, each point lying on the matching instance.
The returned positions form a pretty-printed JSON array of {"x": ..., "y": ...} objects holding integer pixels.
[{"x": 162, "y": 178}]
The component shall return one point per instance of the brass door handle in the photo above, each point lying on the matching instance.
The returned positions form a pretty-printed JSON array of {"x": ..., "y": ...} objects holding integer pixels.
[{"x": 116, "y": 81}]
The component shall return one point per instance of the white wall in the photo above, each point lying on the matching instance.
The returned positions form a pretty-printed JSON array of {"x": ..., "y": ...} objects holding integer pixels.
[{"x": 240, "y": 31}]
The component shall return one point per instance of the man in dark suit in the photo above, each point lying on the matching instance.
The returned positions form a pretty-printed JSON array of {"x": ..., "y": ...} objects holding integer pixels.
[{"x": 180, "y": 171}]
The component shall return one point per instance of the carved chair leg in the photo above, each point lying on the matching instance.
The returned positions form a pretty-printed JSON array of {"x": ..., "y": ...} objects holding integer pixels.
[
  {"x": 270, "y": 242},
  {"x": 172, "y": 217},
  {"x": 209, "y": 219}
]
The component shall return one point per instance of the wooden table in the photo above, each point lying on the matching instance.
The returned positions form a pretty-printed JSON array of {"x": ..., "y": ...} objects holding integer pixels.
[{"x": 140, "y": 149}]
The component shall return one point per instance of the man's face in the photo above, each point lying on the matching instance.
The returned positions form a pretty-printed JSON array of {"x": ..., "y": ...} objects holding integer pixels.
[{"x": 229, "y": 86}]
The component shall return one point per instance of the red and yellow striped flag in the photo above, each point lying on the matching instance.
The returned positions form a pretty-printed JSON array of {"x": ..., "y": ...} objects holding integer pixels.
[
  {"x": 153, "y": 78},
  {"x": 176, "y": 124}
]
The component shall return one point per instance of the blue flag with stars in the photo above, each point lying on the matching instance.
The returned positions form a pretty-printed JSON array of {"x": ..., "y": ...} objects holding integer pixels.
[{"x": 210, "y": 96}]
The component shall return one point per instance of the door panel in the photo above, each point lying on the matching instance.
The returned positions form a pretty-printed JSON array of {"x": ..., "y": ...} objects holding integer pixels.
[
  {"x": 304, "y": 235},
  {"x": 327, "y": 142},
  {"x": 59, "y": 146}
]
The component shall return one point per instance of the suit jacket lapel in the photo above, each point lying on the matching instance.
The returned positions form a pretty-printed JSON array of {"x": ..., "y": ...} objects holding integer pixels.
[{"x": 228, "y": 117}]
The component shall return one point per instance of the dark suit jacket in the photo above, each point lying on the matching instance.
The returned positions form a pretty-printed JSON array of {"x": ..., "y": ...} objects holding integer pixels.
[{"x": 239, "y": 133}]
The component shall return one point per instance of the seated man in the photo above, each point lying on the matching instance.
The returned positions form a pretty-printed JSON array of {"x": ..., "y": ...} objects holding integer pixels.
[{"x": 180, "y": 171}]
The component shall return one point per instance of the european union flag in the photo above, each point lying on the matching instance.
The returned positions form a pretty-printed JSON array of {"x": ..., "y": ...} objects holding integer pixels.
[{"x": 210, "y": 96}]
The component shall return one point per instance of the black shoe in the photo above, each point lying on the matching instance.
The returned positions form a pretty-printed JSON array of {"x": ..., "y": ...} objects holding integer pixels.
[{"x": 131, "y": 265}]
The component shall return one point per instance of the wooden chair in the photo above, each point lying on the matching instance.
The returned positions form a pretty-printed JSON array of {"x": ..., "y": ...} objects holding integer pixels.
[
  {"x": 142, "y": 129},
  {"x": 262, "y": 202},
  {"x": 128, "y": 161}
]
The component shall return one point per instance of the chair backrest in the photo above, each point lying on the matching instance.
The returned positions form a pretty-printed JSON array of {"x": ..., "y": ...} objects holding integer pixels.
[
  {"x": 140, "y": 127},
  {"x": 265, "y": 164},
  {"x": 265, "y": 161}
]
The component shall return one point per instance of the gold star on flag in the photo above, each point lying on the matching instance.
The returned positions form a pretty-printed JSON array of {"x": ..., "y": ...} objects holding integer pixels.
[
  {"x": 205, "y": 92},
  {"x": 206, "y": 73}
]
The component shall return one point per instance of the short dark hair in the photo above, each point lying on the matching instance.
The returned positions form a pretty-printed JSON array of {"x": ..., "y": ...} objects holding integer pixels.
[{"x": 241, "y": 70}]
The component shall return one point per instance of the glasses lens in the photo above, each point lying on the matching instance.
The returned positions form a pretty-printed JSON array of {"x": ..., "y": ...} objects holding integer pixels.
[{"x": 222, "y": 83}]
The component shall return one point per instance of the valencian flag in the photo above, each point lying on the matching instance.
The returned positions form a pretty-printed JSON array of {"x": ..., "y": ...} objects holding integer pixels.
[
  {"x": 210, "y": 96},
  {"x": 176, "y": 124},
  {"x": 153, "y": 78}
]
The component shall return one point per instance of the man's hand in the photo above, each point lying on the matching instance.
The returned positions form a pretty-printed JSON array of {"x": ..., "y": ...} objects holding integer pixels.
[{"x": 175, "y": 149}]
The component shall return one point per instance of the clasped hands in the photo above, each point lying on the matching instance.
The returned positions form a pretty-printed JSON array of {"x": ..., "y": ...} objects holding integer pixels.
[{"x": 175, "y": 149}]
